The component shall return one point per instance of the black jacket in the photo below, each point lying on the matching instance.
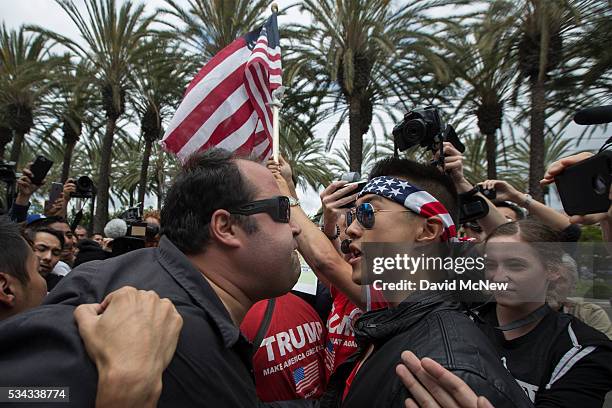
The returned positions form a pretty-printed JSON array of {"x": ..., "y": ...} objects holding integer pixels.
[
  {"x": 429, "y": 325},
  {"x": 210, "y": 368},
  {"x": 562, "y": 362}
]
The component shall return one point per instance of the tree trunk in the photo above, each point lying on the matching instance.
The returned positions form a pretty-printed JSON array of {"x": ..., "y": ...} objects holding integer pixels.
[
  {"x": 103, "y": 185},
  {"x": 67, "y": 161},
  {"x": 356, "y": 137},
  {"x": 160, "y": 178},
  {"x": 144, "y": 168},
  {"x": 491, "y": 156},
  {"x": 6, "y": 135},
  {"x": 16, "y": 150},
  {"x": 536, "y": 156},
  {"x": 90, "y": 227}
]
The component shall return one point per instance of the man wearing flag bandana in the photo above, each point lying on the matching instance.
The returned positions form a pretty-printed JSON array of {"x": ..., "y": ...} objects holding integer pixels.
[{"x": 405, "y": 201}]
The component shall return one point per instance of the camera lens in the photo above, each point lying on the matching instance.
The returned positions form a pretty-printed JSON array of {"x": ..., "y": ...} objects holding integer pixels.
[
  {"x": 599, "y": 185},
  {"x": 415, "y": 130},
  {"x": 84, "y": 183}
]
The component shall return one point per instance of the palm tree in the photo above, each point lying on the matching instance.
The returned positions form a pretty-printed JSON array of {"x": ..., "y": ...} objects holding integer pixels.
[
  {"x": 544, "y": 31},
  {"x": 210, "y": 25},
  {"x": 307, "y": 160},
  {"x": 71, "y": 107},
  {"x": 6, "y": 134},
  {"x": 481, "y": 58},
  {"x": 161, "y": 78},
  {"x": 111, "y": 42},
  {"x": 354, "y": 55},
  {"x": 25, "y": 66}
]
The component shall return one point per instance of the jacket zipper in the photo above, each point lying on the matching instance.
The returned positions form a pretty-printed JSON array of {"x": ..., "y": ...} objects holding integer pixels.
[{"x": 451, "y": 360}]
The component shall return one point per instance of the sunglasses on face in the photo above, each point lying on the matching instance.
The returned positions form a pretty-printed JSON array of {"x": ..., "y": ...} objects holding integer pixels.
[
  {"x": 277, "y": 207},
  {"x": 364, "y": 213}
]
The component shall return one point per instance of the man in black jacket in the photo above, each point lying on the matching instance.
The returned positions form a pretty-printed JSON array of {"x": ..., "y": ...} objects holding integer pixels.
[
  {"x": 219, "y": 216},
  {"x": 408, "y": 202}
]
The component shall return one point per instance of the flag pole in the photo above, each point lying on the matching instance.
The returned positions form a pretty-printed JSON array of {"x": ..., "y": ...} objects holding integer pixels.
[{"x": 276, "y": 104}]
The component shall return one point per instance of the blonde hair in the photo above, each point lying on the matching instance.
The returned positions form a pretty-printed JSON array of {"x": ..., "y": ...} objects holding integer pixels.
[{"x": 560, "y": 289}]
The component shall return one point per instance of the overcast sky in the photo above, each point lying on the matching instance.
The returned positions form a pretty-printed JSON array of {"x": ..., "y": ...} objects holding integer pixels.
[{"x": 48, "y": 14}]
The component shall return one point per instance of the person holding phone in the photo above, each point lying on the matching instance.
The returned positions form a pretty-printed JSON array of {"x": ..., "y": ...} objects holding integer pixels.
[{"x": 25, "y": 189}]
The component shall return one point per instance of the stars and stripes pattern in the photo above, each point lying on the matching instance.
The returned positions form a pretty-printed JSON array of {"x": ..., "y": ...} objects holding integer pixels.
[
  {"x": 413, "y": 198},
  {"x": 306, "y": 376},
  {"x": 329, "y": 356},
  {"x": 227, "y": 104}
]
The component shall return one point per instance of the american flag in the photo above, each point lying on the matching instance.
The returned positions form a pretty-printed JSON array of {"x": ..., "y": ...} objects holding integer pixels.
[
  {"x": 413, "y": 198},
  {"x": 306, "y": 376},
  {"x": 227, "y": 104},
  {"x": 329, "y": 356}
]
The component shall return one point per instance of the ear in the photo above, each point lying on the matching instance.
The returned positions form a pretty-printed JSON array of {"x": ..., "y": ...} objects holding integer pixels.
[
  {"x": 7, "y": 294},
  {"x": 553, "y": 275},
  {"x": 223, "y": 230},
  {"x": 430, "y": 231}
]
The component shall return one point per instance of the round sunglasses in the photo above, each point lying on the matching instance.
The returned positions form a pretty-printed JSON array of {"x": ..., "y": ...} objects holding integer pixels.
[{"x": 364, "y": 213}]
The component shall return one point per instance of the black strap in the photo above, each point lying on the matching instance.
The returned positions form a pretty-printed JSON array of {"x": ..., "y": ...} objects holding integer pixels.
[
  {"x": 530, "y": 318},
  {"x": 263, "y": 327}
]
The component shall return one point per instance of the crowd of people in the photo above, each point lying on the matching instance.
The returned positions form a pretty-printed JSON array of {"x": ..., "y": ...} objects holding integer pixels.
[{"x": 204, "y": 314}]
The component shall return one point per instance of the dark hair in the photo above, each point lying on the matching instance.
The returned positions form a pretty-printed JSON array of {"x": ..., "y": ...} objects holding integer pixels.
[
  {"x": 31, "y": 233},
  {"x": 14, "y": 251},
  {"x": 426, "y": 177},
  {"x": 520, "y": 213},
  {"x": 207, "y": 182},
  {"x": 543, "y": 239}
]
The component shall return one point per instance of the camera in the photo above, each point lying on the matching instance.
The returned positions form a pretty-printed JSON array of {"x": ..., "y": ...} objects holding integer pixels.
[
  {"x": 85, "y": 188},
  {"x": 137, "y": 228},
  {"x": 8, "y": 176},
  {"x": 425, "y": 127},
  {"x": 491, "y": 194},
  {"x": 7, "y": 172},
  {"x": 584, "y": 186}
]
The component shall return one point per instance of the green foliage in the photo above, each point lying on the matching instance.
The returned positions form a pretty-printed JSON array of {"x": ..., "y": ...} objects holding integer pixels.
[{"x": 379, "y": 56}]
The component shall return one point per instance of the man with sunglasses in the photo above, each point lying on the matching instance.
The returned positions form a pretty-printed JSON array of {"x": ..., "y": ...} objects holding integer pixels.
[
  {"x": 405, "y": 201},
  {"x": 227, "y": 242}
]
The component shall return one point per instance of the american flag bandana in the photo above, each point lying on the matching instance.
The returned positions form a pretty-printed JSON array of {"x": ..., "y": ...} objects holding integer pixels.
[{"x": 414, "y": 199}]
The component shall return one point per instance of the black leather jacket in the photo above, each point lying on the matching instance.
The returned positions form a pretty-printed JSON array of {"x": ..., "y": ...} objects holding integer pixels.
[{"x": 430, "y": 325}]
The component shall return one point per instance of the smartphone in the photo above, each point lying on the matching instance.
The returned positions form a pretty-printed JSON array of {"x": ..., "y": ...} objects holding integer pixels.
[
  {"x": 584, "y": 187},
  {"x": 55, "y": 192},
  {"x": 39, "y": 169},
  {"x": 360, "y": 186}
]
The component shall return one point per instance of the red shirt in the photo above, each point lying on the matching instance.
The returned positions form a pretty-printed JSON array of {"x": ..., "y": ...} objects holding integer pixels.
[
  {"x": 289, "y": 364},
  {"x": 340, "y": 343}
]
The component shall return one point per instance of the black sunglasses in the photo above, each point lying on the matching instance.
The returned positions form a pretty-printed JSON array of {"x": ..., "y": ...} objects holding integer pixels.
[
  {"x": 364, "y": 213},
  {"x": 277, "y": 207}
]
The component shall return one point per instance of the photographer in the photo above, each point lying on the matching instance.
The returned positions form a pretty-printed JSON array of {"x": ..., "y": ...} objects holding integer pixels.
[
  {"x": 603, "y": 219},
  {"x": 25, "y": 189},
  {"x": 59, "y": 208},
  {"x": 453, "y": 167}
]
